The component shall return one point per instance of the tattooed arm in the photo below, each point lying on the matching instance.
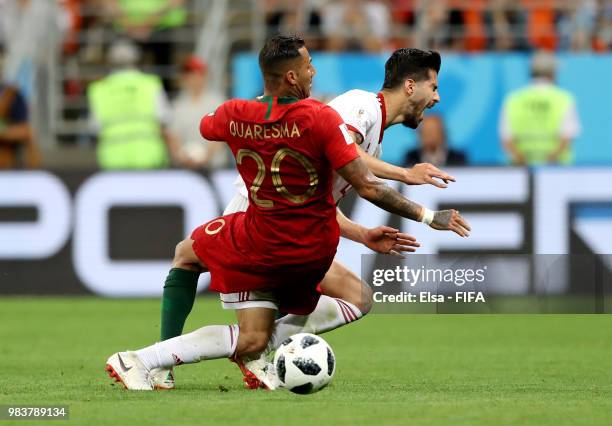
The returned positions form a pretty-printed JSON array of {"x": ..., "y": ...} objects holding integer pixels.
[
  {"x": 419, "y": 174},
  {"x": 382, "y": 195}
]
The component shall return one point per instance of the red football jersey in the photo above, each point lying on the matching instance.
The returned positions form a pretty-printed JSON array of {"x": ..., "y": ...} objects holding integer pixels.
[{"x": 286, "y": 151}]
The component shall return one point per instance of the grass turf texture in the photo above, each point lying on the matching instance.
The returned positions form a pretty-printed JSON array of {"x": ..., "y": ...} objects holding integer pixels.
[{"x": 392, "y": 369}]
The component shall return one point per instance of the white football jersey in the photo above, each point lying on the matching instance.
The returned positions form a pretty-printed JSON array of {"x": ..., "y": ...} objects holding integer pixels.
[{"x": 364, "y": 113}]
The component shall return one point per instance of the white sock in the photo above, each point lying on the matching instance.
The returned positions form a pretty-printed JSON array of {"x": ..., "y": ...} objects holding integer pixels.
[
  {"x": 210, "y": 342},
  {"x": 329, "y": 314}
]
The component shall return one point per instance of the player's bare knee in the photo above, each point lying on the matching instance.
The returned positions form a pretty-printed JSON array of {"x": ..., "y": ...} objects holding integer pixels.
[
  {"x": 184, "y": 257},
  {"x": 179, "y": 253}
]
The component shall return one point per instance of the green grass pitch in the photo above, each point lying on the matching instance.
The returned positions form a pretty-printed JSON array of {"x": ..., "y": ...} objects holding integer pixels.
[{"x": 391, "y": 369}]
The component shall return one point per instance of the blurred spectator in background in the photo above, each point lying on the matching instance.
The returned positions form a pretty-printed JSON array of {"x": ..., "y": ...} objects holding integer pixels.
[
  {"x": 296, "y": 17},
  {"x": 467, "y": 19},
  {"x": 17, "y": 146},
  {"x": 502, "y": 25},
  {"x": 90, "y": 23},
  {"x": 506, "y": 25},
  {"x": 152, "y": 24},
  {"x": 576, "y": 25},
  {"x": 438, "y": 25},
  {"x": 403, "y": 15},
  {"x": 31, "y": 32},
  {"x": 356, "y": 25},
  {"x": 433, "y": 147},
  {"x": 71, "y": 11},
  {"x": 129, "y": 112},
  {"x": 603, "y": 39},
  {"x": 541, "y": 31},
  {"x": 539, "y": 122},
  {"x": 193, "y": 102}
]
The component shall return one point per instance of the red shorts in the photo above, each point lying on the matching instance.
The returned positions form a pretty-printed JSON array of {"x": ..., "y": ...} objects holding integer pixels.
[{"x": 218, "y": 245}]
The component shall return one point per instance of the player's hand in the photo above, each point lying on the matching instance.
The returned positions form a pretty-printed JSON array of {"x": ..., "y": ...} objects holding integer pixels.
[
  {"x": 387, "y": 240},
  {"x": 426, "y": 173},
  {"x": 451, "y": 220}
]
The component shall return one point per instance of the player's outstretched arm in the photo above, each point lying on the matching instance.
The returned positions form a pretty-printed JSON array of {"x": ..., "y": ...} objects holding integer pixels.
[
  {"x": 379, "y": 193},
  {"x": 382, "y": 239},
  {"x": 419, "y": 174}
]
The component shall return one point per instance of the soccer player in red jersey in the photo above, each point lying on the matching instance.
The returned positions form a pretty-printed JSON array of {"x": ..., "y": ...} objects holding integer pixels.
[{"x": 286, "y": 148}]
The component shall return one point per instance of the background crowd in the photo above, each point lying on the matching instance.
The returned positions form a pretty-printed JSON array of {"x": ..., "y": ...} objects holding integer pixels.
[
  {"x": 463, "y": 25},
  {"x": 150, "y": 43}
]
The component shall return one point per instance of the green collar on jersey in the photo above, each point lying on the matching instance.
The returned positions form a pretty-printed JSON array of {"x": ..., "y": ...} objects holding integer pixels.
[
  {"x": 283, "y": 100},
  {"x": 270, "y": 101}
]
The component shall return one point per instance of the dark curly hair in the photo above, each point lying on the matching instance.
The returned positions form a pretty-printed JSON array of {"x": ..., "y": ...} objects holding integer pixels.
[{"x": 410, "y": 63}]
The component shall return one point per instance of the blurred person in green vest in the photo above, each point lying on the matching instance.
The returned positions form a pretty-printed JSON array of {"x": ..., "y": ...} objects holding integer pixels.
[
  {"x": 539, "y": 122},
  {"x": 129, "y": 111},
  {"x": 153, "y": 25}
]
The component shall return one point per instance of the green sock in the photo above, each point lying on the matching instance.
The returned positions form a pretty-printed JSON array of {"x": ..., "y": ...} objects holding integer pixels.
[{"x": 177, "y": 301}]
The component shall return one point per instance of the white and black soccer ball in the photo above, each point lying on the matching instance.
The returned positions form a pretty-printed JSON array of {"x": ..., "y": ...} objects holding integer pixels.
[{"x": 304, "y": 363}]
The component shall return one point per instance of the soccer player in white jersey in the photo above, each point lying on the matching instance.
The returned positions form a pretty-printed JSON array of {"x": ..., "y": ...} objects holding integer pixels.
[{"x": 410, "y": 87}]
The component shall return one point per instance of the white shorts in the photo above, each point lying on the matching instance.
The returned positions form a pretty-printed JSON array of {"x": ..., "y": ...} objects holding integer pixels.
[{"x": 249, "y": 299}]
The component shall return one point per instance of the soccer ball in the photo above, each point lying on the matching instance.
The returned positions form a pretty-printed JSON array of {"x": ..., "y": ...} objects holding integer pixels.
[{"x": 304, "y": 363}]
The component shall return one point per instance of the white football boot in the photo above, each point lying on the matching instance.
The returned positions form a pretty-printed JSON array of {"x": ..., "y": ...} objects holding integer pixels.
[
  {"x": 162, "y": 378},
  {"x": 126, "y": 367},
  {"x": 264, "y": 371}
]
